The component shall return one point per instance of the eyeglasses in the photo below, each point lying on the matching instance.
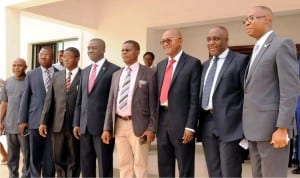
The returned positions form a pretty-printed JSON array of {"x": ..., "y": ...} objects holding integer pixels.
[
  {"x": 168, "y": 40},
  {"x": 252, "y": 18}
]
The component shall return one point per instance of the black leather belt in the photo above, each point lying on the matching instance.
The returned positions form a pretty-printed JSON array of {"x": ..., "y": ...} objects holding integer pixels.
[{"x": 125, "y": 118}]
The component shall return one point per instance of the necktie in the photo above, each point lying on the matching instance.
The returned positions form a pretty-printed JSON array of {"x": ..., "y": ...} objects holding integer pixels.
[
  {"x": 68, "y": 81},
  {"x": 125, "y": 90},
  {"x": 209, "y": 82},
  {"x": 254, "y": 53},
  {"x": 48, "y": 79},
  {"x": 166, "y": 82},
  {"x": 92, "y": 78}
]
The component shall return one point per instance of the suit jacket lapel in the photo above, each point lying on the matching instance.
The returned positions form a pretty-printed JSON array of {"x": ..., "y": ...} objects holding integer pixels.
[
  {"x": 178, "y": 68},
  {"x": 41, "y": 79},
  {"x": 75, "y": 80},
  {"x": 258, "y": 57},
  {"x": 100, "y": 74},
  {"x": 226, "y": 63},
  {"x": 204, "y": 71},
  {"x": 116, "y": 82},
  {"x": 138, "y": 77}
]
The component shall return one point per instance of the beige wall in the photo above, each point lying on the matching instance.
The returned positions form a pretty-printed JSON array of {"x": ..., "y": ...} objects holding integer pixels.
[
  {"x": 140, "y": 20},
  {"x": 195, "y": 36}
]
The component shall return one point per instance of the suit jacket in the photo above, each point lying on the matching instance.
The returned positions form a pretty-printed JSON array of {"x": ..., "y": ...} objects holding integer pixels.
[
  {"x": 183, "y": 95},
  {"x": 60, "y": 102},
  {"x": 91, "y": 107},
  {"x": 227, "y": 99},
  {"x": 33, "y": 98},
  {"x": 271, "y": 88},
  {"x": 144, "y": 102}
]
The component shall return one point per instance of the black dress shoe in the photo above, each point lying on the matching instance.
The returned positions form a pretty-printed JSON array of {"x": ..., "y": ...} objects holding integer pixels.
[{"x": 296, "y": 171}]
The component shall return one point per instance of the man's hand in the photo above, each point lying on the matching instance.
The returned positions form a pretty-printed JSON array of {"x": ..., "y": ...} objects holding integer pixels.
[
  {"x": 106, "y": 136},
  {"x": 187, "y": 136},
  {"x": 76, "y": 132},
  {"x": 280, "y": 138},
  {"x": 43, "y": 130},
  {"x": 150, "y": 136},
  {"x": 22, "y": 126}
]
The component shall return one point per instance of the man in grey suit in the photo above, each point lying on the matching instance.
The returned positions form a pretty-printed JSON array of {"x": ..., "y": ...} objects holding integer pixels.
[
  {"x": 37, "y": 82},
  {"x": 270, "y": 92},
  {"x": 178, "y": 78},
  {"x": 90, "y": 111},
  {"x": 221, "y": 105},
  {"x": 10, "y": 96},
  {"x": 61, "y": 100},
  {"x": 134, "y": 120}
]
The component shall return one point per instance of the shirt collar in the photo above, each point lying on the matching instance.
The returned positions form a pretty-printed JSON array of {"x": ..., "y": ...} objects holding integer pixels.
[
  {"x": 51, "y": 69},
  {"x": 134, "y": 67},
  {"x": 74, "y": 71},
  {"x": 100, "y": 62},
  {"x": 177, "y": 57},
  {"x": 263, "y": 39},
  {"x": 223, "y": 54}
]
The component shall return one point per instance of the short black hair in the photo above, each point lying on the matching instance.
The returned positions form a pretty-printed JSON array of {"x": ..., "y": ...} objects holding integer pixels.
[
  {"x": 134, "y": 43},
  {"x": 75, "y": 51},
  {"x": 149, "y": 53}
]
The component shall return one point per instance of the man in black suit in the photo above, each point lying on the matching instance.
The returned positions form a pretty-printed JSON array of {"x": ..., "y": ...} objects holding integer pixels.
[
  {"x": 178, "y": 78},
  {"x": 90, "y": 112},
  {"x": 61, "y": 100},
  {"x": 221, "y": 105},
  {"x": 37, "y": 82}
]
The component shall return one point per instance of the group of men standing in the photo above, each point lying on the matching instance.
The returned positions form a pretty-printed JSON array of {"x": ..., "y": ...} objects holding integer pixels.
[{"x": 75, "y": 117}]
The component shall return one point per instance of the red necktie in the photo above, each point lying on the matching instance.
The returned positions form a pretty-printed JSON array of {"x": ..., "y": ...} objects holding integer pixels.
[
  {"x": 92, "y": 78},
  {"x": 166, "y": 82}
]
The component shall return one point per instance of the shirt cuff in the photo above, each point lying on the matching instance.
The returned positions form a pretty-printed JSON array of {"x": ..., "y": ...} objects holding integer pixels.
[{"x": 189, "y": 129}]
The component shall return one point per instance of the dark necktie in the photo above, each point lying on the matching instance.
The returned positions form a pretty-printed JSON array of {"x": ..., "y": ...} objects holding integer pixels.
[
  {"x": 209, "y": 82},
  {"x": 166, "y": 82},
  {"x": 68, "y": 81},
  {"x": 125, "y": 90}
]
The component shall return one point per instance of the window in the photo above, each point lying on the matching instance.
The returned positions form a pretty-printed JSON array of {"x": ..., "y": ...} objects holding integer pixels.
[{"x": 55, "y": 46}]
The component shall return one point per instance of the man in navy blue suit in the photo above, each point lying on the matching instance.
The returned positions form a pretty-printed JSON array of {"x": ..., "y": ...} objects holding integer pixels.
[
  {"x": 32, "y": 102},
  {"x": 178, "y": 78},
  {"x": 220, "y": 128}
]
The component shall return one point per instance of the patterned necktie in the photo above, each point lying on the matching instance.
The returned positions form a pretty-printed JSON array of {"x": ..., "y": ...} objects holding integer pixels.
[
  {"x": 123, "y": 101},
  {"x": 68, "y": 81},
  {"x": 92, "y": 78},
  {"x": 209, "y": 82},
  {"x": 48, "y": 79},
  {"x": 166, "y": 82}
]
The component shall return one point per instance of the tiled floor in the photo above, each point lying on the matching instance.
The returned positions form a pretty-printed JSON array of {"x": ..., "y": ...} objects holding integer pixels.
[{"x": 200, "y": 166}]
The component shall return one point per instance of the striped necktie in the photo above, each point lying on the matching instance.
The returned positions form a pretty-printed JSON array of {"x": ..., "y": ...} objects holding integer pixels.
[
  {"x": 123, "y": 101},
  {"x": 68, "y": 81},
  {"x": 48, "y": 79}
]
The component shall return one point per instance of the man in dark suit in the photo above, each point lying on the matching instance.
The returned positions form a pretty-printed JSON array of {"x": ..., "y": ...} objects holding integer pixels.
[
  {"x": 37, "y": 82},
  {"x": 61, "y": 100},
  {"x": 178, "y": 78},
  {"x": 221, "y": 105},
  {"x": 90, "y": 112},
  {"x": 271, "y": 89},
  {"x": 134, "y": 120}
]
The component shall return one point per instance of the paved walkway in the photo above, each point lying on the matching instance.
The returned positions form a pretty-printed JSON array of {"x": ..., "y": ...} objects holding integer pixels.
[{"x": 200, "y": 166}]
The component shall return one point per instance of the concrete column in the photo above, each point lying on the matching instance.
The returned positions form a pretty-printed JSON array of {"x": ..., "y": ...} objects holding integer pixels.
[{"x": 10, "y": 39}]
